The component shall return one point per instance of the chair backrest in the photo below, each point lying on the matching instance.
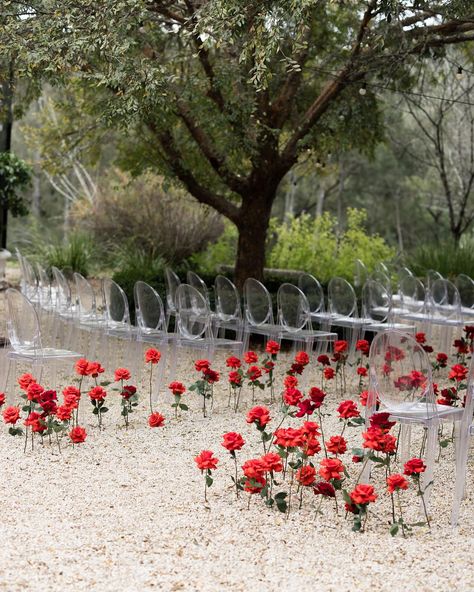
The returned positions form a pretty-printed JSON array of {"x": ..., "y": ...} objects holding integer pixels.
[
  {"x": 361, "y": 273},
  {"x": 63, "y": 292},
  {"x": 431, "y": 277},
  {"x": 192, "y": 313},
  {"x": 44, "y": 285},
  {"x": 293, "y": 309},
  {"x": 257, "y": 303},
  {"x": 412, "y": 294},
  {"x": 227, "y": 299},
  {"x": 149, "y": 310},
  {"x": 85, "y": 296},
  {"x": 22, "y": 322},
  {"x": 198, "y": 283},
  {"x": 172, "y": 282},
  {"x": 30, "y": 278},
  {"x": 382, "y": 278},
  {"x": 376, "y": 301},
  {"x": 116, "y": 303},
  {"x": 380, "y": 266},
  {"x": 313, "y": 291},
  {"x": 400, "y": 372},
  {"x": 342, "y": 299},
  {"x": 445, "y": 299},
  {"x": 465, "y": 286}
]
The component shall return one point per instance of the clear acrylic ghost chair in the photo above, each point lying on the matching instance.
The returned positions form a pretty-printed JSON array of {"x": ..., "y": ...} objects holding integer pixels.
[
  {"x": 361, "y": 274},
  {"x": 380, "y": 266},
  {"x": 377, "y": 305},
  {"x": 27, "y": 346},
  {"x": 403, "y": 272},
  {"x": 382, "y": 278},
  {"x": 465, "y": 433},
  {"x": 23, "y": 282},
  {"x": 465, "y": 286},
  {"x": 431, "y": 277},
  {"x": 258, "y": 312},
  {"x": 446, "y": 311},
  {"x": 65, "y": 310},
  {"x": 198, "y": 283},
  {"x": 31, "y": 281},
  {"x": 294, "y": 318},
  {"x": 91, "y": 322},
  {"x": 172, "y": 283},
  {"x": 314, "y": 293},
  {"x": 400, "y": 376},
  {"x": 228, "y": 313}
]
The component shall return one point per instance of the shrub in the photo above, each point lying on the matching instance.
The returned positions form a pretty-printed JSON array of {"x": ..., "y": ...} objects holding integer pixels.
[
  {"x": 447, "y": 259},
  {"x": 222, "y": 252}
]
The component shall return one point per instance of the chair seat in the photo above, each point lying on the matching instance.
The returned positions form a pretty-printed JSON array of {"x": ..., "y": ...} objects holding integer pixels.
[
  {"x": 45, "y": 353},
  {"x": 308, "y": 334},
  {"x": 420, "y": 412},
  {"x": 263, "y": 329},
  {"x": 391, "y": 326}
]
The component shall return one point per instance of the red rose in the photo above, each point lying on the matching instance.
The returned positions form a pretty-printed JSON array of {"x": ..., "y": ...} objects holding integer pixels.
[
  {"x": 156, "y": 420},
  {"x": 336, "y": 445},
  {"x": 211, "y": 376},
  {"x": 33, "y": 392},
  {"x": 420, "y": 338},
  {"x": 272, "y": 462},
  {"x": 348, "y": 409},
  {"x": 461, "y": 346},
  {"x": 25, "y": 380},
  {"x": 254, "y": 373},
  {"x": 2, "y": 399},
  {"x": 442, "y": 360},
  {"x": 128, "y": 391},
  {"x": 305, "y": 407},
  {"x": 47, "y": 401},
  {"x": 94, "y": 369},
  {"x": 258, "y": 415},
  {"x": 329, "y": 373},
  {"x": 323, "y": 359},
  {"x": 255, "y": 485},
  {"x": 363, "y": 346},
  {"x": 324, "y": 488},
  {"x": 11, "y": 415},
  {"x": 233, "y": 362},
  {"x": 362, "y": 371},
  {"x": 235, "y": 378},
  {"x": 290, "y": 381},
  {"x": 302, "y": 358},
  {"x": 78, "y": 435},
  {"x": 232, "y": 441},
  {"x": 306, "y": 475},
  {"x": 152, "y": 356},
  {"x": 379, "y": 440},
  {"x": 64, "y": 413},
  {"x": 35, "y": 421},
  {"x": 97, "y": 393},
  {"x": 268, "y": 366},
  {"x": 363, "y": 494},
  {"x": 177, "y": 388},
  {"x": 311, "y": 446},
  {"x": 292, "y": 396},
  {"x": 71, "y": 396},
  {"x": 357, "y": 459},
  {"x": 81, "y": 367},
  {"x": 414, "y": 467},
  {"x": 458, "y": 372},
  {"x": 381, "y": 421},
  {"x": 417, "y": 378},
  {"x": 121, "y": 374},
  {"x": 317, "y": 396},
  {"x": 331, "y": 468},
  {"x": 340, "y": 346},
  {"x": 289, "y": 437},
  {"x": 469, "y": 331},
  {"x": 396, "y": 482},
  {"x": 254, "y": 468},
  {"x": 272, "y": 348},
  {"x": 206, "y": 460},
  {"x": 201, "y": 365},
  {"x": 310, "y": 428},
  {"x": 250, "y": 357}
]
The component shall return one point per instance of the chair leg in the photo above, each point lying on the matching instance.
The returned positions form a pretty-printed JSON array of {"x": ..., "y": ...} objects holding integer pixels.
[
  {"x": 462, "y": 450},
  {"x": 428, "y": 475}
]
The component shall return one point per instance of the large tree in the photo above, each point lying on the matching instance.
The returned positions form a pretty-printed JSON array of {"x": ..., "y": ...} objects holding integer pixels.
[{"x": 226, "y": 95}]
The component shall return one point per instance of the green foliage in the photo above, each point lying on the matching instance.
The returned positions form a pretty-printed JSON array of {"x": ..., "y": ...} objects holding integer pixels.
[
  {"x": 72, "y": 255},
  {"x": 14, "y": 176},
  {"x": 445, "y": 258},
  {"x": 313, "y": 245},
  {"x": 221, "y": 252}
]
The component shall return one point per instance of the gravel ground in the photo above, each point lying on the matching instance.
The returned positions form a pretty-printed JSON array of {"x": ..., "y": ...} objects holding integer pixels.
[{"x": 124, "y": 511}]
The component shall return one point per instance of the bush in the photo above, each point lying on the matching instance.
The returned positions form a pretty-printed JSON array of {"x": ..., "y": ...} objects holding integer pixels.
[
  {"x": 447, "y": 259},
  {"x": 222, "y": 252}
]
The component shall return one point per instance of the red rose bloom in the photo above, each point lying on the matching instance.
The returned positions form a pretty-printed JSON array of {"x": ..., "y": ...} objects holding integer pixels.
[
  {"x": 363, "y": 346},
  {"x": 302, "y": 358},
  {"x": 268, "y": 366},
  {"x": 211, "y": 376},
  {"x": 310, "y": 428},
  {"x": 290, "y": 381},
  {"x": 177, "y": 388},
  {"x": 71, "y": 396},
  {"x": 363, "y": 494},
  {"x": 340, "y": 346},
  {"x": 33, "y": 392},
  {"x": 206, "y": 460},
  {"x": 11, "y": 415},
  {"x": 47, "y": 401},
  {"x": 417, "y": 378},
  {"x": 305, "y": 407},
  {"x": 461, "y": 346},
  {"x": 362, "y": 371},
  {"x": 235, "y": 378},
  {"x": 324, "y": 488},
  {"x": 414, "y": 467},
  {"x": 34, "y": 421},
  {"x": 78, "y": 435},
  {"x": 25, "y": 380},
  {"x": 329, "y": 373},
  {"x": 289, "y": 437},
  {"x": 317, "y": 396},
  {"x": 336, "y": 445},
  {"x": 254, "y": 373},
  {"x": 420, "y": 338},
  {"x": 323, "y": 359},
  {"x": 381, "y": 420},
  {"x": 201, "y": 365},
  {"x": 255, "y": 485},
  {"x": 64, "y": 413},
  {"x": 81, "y": 367},
  {"x": 94, "y": 369},
  {"x": 97, "y": 393},
  {"x": 121, "y": 374},
  {"x": 331, "y": 468},
  {"x": 357, "y": 459},
  {"x": 292, "y": 396},
  {"x": 348, "y": 409},
  {"x": 272, "y": 462},
  {"x": 272, "y": 348},
  {"x": 254, "y": 468},
  {"x": 2, "y": 399},
  {"x": 306, "y": 475},
  {"x": 378, "y": 440},
  {"x": 152, "y": 356},
  {"x": 233, "y": 362},
  {"x": 396, "y": 482},
  {"x": 232, "y": 441},
  {"x": 250, "y": 357},
  {"x": 458, "y": 372},
  {"x": 128, "y": 391},
  {"x": 258, "y": 415},
  {"x": 311, "y": 446},
  {"x": 156, "y": 420},
  {"x": 442, "y": 360}
]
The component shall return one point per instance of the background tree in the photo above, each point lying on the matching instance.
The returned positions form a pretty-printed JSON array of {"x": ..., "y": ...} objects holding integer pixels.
[{"x": 225, "y": 95}]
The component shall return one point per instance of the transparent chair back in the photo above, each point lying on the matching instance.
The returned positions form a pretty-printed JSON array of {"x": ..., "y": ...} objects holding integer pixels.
[
  {"x": 342, "y": 299},
  {"x": 193, "y": 313},
  {"x": 376, "y": 302},
  {"x": 258, "y": 303},
  {"x": 228, "y": 306},
  {"x": 149, "y": 310},
  {"x": 412, "y": 294},
  {"x": 85, "y": 297},
  {"x": 293, "y": 309},
  {"x": 116, "y": 304},
  {"x": 431, "y": 277},
  {"x": 63, "y": 291},
  {"x": 465, "y": 286},
  {"x": 44, "y": 286},
  {"x": 22, "y": 323},
  {"x": 313, "y": 291},
  {"x": 172, "y": 284},
  {"x": 400, "y": 373},
  {"x": 404, "y": 272},
  {"x": 31, "y": 281},
  {"x": 382, "y": 278},
  {"x": 445, "y": 299},
  {"x": 380, "y": 266},
  {"x": 198, "y": 283},
  {"x": 361, "y": 273}
]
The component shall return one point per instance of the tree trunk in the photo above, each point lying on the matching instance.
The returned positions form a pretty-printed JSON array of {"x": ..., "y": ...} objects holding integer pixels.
[
  {"x": 6, "y": 125},
  {"x": 253, "y": 227}
]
